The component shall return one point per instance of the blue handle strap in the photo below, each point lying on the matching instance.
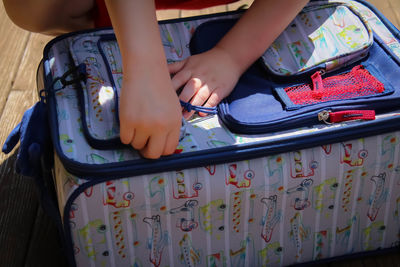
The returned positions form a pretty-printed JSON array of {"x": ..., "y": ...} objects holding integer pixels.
[{"x": 189, "y": 107}]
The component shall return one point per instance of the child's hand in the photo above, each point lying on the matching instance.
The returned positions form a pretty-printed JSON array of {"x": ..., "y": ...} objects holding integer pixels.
[
  {"x": 207, "y": 78},
  {"x": 150, "y": 113}
]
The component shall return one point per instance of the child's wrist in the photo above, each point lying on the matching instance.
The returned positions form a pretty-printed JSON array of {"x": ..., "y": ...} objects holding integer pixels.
[{"x": 235, "y": 60}]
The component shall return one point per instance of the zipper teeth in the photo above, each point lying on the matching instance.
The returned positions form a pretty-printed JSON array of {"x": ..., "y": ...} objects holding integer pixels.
[
  {"x": 257, "y": 129},
  {"x": 137, "y": 167}
]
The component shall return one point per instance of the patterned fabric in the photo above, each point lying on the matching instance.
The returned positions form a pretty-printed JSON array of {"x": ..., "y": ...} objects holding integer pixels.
[
  {"x": 280, "y": 209},
  {"x": 329, "y": 33}
]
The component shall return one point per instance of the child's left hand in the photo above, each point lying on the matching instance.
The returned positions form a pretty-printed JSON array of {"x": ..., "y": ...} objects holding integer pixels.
[{"x": 207, "y": 78}]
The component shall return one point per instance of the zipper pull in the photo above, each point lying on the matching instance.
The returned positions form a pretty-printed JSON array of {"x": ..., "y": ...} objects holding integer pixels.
[
  {"x": 347, "y": 115},
  {"x": 316, "y": 79}
]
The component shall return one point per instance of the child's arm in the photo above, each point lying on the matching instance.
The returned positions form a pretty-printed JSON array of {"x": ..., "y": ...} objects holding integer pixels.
[
  {"x": 150, "y": 113},
  {"x": 209, "y": 77}
]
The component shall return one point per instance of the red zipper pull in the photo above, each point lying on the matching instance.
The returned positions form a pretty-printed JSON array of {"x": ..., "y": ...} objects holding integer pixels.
[
  {"x": 317, "y": 89},
  {"x": 316, "y": 79},
  {"x": 347, "y": 115}
]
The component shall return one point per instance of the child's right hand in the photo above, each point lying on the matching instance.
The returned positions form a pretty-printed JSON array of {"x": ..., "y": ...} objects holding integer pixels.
[{"x": 150, "y": 114}]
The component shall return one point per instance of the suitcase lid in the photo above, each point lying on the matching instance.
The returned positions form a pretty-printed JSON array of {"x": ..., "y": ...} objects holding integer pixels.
[{"x": 207, "y": 140}]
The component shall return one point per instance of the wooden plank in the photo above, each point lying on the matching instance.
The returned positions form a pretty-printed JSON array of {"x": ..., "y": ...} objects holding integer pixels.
[
  {"x": 385, "y": 6},
  {"x": 395, "y": 7},
  {"x": 380, "y": 4},
  {"x": 12, "y": 44},
  {"x": 26, "y": 75},
  {"x": 205, "y": 11},
  {"x": 18, "y": 203},
  {"x": 17, "y": 102},
  {"x": 168, "y": 14},
  {"x": 236, "y": 5},
  {"x": 44, "y": 248}
]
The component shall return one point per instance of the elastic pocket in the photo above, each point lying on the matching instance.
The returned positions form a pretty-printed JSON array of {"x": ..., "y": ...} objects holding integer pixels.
[
  {"x": 98, "y": 97},
  {"x": 357, "y": 83}
]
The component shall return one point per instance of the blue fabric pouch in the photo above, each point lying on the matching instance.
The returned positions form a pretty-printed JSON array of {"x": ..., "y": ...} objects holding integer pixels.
[
  {"x": 34, "y": 136},
  {"x": 259, "y": 104}
]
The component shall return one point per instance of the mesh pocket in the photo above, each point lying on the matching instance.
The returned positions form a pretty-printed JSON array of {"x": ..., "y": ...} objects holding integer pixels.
[{"x": 354, "y": 84}]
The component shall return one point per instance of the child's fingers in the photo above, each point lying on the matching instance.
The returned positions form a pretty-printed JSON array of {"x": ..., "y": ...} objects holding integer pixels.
[
  {"x": 180, "y": 79},
  {"x": 190, "y": 89},
  {"x": 155, "y": 146},
  {"x": 176, "y": 66},
  {"x": 212, "y": 101},
  {"x": 198, "y": 95},
  {"x": 201, "y": 96},
  {"x": 186, "y": 114},
  {"x": 126, "y": 135},
  {"x": 171, "y": 143},
  {"x": 139, "y": 140}
]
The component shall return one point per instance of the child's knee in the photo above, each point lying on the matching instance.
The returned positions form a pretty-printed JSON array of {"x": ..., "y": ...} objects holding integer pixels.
[
  {"x": 29, "y": 15},
  {"x": 49, "y": 17}
]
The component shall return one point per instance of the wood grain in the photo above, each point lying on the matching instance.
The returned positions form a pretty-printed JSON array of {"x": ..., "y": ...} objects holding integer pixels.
[
  {"x": 18, "y": 199},
  {"x": 12, "y": 43},
  {"x": 167, "y": 14},
  {"x": 17, "y": 103},
  {"x": 386, "y": 7},
  {"x": 26, "y": 74},
  {"x": 205, "y": 11}
]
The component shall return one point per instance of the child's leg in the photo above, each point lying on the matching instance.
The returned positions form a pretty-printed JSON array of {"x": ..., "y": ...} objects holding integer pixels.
[{"x": 51, "y": 17}]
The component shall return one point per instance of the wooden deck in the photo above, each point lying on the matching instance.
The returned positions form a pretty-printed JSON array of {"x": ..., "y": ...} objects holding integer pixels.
[{"x": 27, "y": 236}]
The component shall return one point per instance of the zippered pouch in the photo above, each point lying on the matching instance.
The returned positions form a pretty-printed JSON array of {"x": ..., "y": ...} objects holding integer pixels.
[
  {"x": 356, "y": 83},
  {"x": 265, "y": 101},
  {"x": 98, "y": 93}
]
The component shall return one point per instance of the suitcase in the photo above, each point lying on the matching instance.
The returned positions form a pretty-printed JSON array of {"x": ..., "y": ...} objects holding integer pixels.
[{"x": 267, "y": 179}]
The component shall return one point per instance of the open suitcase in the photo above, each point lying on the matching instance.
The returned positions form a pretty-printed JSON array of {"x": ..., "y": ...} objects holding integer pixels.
[{"x": 278, "y": 174}]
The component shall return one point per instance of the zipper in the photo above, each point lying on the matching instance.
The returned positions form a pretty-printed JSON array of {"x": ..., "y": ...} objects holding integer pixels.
[
  {"x": 256, "y": 128},
  {"x": 224, "y": 154}
]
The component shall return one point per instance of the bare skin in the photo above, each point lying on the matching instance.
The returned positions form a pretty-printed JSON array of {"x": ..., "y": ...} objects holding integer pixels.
[
  {"x": 52, "y": 17},
  {"x": 150, "y": 114}
]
